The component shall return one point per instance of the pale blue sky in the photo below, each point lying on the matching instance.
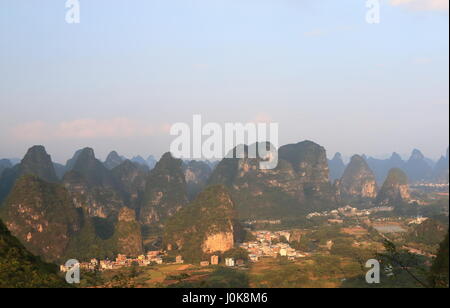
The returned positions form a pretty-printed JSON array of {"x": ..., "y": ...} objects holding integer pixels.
[{"x": 131, "y": 68}]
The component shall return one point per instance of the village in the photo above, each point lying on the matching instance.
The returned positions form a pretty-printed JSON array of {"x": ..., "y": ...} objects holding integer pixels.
[
  {"x": 271, "y": 244},
  {"x": 122, "y": 261},
  {"x": 151, "y": 258},
  {"x": 348, "y": 211},
  {"x": 267, "y": 244}
]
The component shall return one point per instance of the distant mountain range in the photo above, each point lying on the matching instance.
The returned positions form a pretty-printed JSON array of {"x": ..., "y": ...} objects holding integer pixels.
[
  {"x": 418, "y": 168},
  {"x": 4, "y": 164},
  {"x": 89, "y": 208}
]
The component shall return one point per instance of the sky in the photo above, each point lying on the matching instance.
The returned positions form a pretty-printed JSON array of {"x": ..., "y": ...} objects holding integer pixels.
[{"x": 130, "y": 69}]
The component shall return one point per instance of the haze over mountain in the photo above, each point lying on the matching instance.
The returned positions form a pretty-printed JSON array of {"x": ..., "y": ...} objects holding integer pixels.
[
  {"x": 395, "y": 189},
  {"x": 337, "y": 167},
  {"x": 381, "y": 167},
  {"x": 4, "y": 164},
  {"x": 441, "y": 170},
  {"x": 92, "y": 186},
  {"x": 113, "y": 160},
  {"x": 151, "y": 162},
  {"x": 60, "y": 170},
  {"x": 417, "y": 168},
  {"x": 267, "y": 86},
  {"x": 138, "y": 159}
]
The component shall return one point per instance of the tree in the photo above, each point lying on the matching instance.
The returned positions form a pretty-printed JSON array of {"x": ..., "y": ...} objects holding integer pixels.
[
  {"x": 398, "y": 262},
  {"x": 439, "y": 269},
  {"x": 237, "y": 253}
]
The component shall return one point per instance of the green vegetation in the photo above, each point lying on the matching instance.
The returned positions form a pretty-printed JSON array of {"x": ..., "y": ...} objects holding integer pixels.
[
  {"x": 403, "y": 268},
  {"x": 86, "y": 244},
  {"x": 98, "y": 238},
  {"x": 42, "y": 215},
  {"x": 439, "y": 271},
  {"x": 321, "y": 271},
  {"x": 20, "y": 269},
  {"x": 431, "y": 232},
  {"x": 222, "y": 277},
  {"x": 237, "y": 254},
  {"x": 297, "y": 186},
  {"x": 127, "y": 236},
  {"x": 212, "y": 212},
  {"x": 396, "y": 176},
  {"x": 437, "y": 208},
  {"x": 165, "y": 191}
]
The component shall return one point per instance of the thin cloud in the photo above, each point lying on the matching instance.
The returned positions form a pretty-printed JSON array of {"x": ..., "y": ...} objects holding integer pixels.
[
  {"x": 86, "y": 129},
  {"x": 262, "y": 118}
]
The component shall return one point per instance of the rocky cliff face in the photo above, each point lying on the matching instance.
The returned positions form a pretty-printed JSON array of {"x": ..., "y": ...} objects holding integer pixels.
[
  {"x": 205, "y": 226},
  {"x": 92, "y": 186},
  {"x": 309, "y": 160},
  {"x": 128, "y": 234},
  {"x": 222, "y": 242},
  {"x": 165, "y": 192},
  {"x": 37, "y": 162},
  {"x": 298, "y": 184},
  {"x": 395, "y": 189},
  {"x": 358, "y": 181},
  {"x": 42, "y": 216},
  {"x": 196, "y": 174},
  {"x": 132, "y": 179}
]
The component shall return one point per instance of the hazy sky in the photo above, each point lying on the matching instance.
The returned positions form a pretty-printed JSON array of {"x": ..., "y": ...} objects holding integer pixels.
[{"x": 130, "y": 69}]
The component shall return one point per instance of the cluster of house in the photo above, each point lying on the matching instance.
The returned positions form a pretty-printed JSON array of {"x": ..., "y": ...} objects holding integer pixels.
[
  {"x": 264, "y": 221},
  {"x": 348, "y": 211},
  {"x": 230, "y": 262},
  {"x": 152, "y": 257},
  {"x": 431, "y": 185},
  {"x": 121, "y": 261},
  {"x": 270, "y": 244}
]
